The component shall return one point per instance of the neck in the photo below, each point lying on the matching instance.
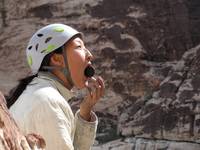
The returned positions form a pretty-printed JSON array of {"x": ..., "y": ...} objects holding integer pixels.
[{"x": 63, "y": 79}]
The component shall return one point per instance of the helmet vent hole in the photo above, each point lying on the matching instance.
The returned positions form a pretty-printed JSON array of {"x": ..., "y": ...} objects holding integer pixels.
[
  {"x": 43, "y": 51},
  {"x": 39, "y": 35},
  {"x": 48, "y": 39},
  {"x": 29, "y": 47},
  {"x": 36, "y": 47}
]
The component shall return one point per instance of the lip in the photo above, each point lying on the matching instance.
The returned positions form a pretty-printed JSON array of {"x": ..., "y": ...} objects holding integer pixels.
[{"x": 88, "y": 64}]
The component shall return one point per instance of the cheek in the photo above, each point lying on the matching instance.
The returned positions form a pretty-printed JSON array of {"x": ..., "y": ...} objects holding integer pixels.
[
  {"x": 77, "y": 66},
  {"x": 77, "y": 60}
]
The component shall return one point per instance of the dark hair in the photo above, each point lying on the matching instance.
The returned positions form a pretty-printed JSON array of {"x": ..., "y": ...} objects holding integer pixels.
[{"x": 17, "y": 91}]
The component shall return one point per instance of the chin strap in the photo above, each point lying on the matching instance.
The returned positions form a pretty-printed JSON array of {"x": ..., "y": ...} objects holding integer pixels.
[{"x": 64, "y": 70}]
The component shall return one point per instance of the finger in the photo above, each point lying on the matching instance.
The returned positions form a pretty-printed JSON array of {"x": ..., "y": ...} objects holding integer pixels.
[
  {"x": 101, "y": 82},
  {"x": 94, "y": 85},
  {"x": 91, "y": 82},
  {"x": 95, "y": 88},
  {"x": 92, "y": 93},
  {"x": 96, "y": 95},
  {"x": 89, "y": 91},
  {"x": 90, "y": 85},
  {"x": 95, "y": 98},
  {"x": 98, "y": 91}
]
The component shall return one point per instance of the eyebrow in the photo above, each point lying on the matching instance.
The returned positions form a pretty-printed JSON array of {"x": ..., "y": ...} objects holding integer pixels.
[{"x": 80, "y": 42}]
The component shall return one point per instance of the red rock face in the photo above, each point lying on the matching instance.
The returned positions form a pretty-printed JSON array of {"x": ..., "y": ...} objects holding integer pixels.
[{"x": 142, "y": 49}]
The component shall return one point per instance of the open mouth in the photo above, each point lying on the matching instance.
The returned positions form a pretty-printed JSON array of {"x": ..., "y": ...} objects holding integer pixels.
[{"x": 89, "y": 71}]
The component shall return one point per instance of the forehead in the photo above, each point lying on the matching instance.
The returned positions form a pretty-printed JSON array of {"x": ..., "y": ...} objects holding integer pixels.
[{"x": 75, "y": 41}]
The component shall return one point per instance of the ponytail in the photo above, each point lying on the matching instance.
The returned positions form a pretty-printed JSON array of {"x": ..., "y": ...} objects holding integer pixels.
[{"x": 16, "y": 92}]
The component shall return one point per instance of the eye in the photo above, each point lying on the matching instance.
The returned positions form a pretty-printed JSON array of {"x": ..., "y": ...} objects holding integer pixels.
[{"x": 79, "y": 47}]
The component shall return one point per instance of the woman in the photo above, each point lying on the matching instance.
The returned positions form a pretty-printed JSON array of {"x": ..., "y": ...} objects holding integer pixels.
[{"x": 59, "y": 61}]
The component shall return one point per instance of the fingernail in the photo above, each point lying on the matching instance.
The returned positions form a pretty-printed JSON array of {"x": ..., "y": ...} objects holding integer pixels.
[{"x": 86, "y": 83}]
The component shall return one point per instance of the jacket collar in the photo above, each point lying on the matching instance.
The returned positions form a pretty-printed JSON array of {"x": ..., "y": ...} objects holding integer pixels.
[{"x": 67, "y": 94}]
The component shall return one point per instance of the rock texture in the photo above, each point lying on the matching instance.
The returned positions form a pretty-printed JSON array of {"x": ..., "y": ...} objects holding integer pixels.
[
  {"x": 10, "y": 136},
  {"x": 146, "y": 144},
  {"x": 147, "y": 51},
  {"x": 171, "y": 112}
]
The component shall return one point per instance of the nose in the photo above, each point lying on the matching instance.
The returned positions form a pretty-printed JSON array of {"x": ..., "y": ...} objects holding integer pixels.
[{"x": 89, "y": 55}]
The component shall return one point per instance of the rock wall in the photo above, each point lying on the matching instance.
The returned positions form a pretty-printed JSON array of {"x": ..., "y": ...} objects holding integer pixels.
[
  {"x": 146, "y": 144},
  {"x": 143, "y": 49},
  {"x": 172, "y": 112}
]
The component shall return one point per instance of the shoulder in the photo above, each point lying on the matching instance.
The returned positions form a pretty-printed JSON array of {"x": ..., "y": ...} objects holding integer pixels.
[
  {"x": 42, "y": 91},
  {"x": 49, "y": 104},
  {"x": 38, "y": 93}
]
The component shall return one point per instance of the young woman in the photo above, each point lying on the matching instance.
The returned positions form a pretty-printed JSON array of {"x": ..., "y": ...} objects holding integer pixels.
[{"x": 59, "y": 61}]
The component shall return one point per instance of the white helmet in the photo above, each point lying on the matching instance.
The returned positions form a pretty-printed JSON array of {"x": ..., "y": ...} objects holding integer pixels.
[{"x": 46, "y": 40}]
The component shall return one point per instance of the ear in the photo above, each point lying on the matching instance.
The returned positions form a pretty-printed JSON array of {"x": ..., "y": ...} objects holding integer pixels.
[{"x": 57, "y": 60}]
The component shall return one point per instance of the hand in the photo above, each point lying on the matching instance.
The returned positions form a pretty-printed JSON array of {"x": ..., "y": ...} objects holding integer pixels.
[{"x": 96, "y": 90}]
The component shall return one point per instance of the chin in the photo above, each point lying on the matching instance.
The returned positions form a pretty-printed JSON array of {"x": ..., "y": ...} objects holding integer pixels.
[{"x": 81, "y": 86}]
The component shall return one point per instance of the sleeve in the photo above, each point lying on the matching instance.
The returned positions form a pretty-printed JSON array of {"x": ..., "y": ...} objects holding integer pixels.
[
  {"x": 85, "y": 132},
  {"x": 53, "y": 125}
]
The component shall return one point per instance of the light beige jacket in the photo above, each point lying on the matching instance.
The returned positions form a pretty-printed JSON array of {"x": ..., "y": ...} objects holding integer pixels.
[{"x": 43, "y": 108}]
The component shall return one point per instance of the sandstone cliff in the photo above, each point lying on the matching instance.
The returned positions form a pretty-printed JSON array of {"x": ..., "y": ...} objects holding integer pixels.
[{"x": 147, "y": 51}]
